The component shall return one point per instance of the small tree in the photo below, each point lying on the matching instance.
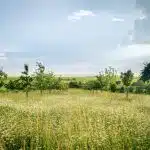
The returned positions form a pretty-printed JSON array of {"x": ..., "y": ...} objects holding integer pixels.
[
  {"x": 127, "y": 78},
  {"x": 50, "y": 81},
  {"x": 145, "y": 73},
  {"x": 3, "y": 77},
  {"x": 26, "y": 79},
  {"x": 106, "y": 78},
  {"x": 110, "y": 75},
  {"x": 40, "y": 77},
  {"x": 101, "y": 81}
]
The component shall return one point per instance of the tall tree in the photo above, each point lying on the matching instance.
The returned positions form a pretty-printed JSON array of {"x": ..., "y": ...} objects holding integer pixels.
[
  {"x": 26, "y": 79},
  {"x": 107, "y": 77},
  {"x": 145, "y": 73},
  {"x": 127, "y": 78},
  {"x": 40, "y": 77}
]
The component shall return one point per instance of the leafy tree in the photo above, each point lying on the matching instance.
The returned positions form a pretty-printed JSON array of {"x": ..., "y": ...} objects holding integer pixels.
[
  {"x": 110, "y": 75},
  {"x": 106, "y": 78},
  {"x": 50, "y": 81},
  {"x": 113, "y": 87},
  {"x": 40, "y": 77},
  {"x": 3, "y": 77},
  {"x": 127, "y": 78},
  {"x": 101, "y": 81},
  {"x": 26, "y": 79},
  {"x": 145, "y": 73}
]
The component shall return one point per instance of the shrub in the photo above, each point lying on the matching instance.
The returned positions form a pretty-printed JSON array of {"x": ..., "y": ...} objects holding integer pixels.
[
  {"x": 121, "y": 89},
  {"x": 113, "y": 87},
  {"x": 75, "y": 84},
  {"x": 3, "y": 90},
  {"x": 131, "y": 89},
  {"x": 93, "y": 85},
  {"x": 118, "y": 82},
  {"x": 147, "y": 89},
  {"x": 14, "y": 85},
  {"x": 139, "y": 90},
  {"x": 138, "y": 83},
  {"x": 59, "y": 84}
]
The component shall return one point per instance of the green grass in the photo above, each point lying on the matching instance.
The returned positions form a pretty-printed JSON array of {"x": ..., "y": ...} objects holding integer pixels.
[{"x": 74, "y": 120}]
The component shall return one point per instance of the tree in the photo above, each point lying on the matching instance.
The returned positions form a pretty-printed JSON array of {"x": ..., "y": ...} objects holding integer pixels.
[
  {"x": 106, "y": 78},
  {"x": 3, "y": 77},
  {"x": 145, "y": 73},
  {"x": 110, "y": 75},
  {"x": 101, "y": 81},
  {"x": 40, "y": 77},
  {"x": 26, "y": 79},
  {"x": 50, "y": 81},
  {"x": 127, "y": 78}
]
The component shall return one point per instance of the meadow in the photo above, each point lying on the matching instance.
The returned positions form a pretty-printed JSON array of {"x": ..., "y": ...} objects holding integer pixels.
[{"x": 74, "y": 120}]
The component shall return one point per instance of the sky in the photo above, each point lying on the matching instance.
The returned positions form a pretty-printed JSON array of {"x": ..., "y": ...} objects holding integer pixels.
[{"x": 74, "y": 37}]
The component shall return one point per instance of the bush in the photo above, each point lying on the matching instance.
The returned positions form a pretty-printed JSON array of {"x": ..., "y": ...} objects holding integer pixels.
[
  {"x": 118, "y": 82},
  {"x": 113, "y": 87},
  {"x": 131, "y": 89},
  {"x": 121, "y": 89},
  {"x": 138, "y": 83},
  {"x": 93, "y": 85},
  {"x": 75, "y": 84},
  {"x": 3, "y": 90},
  {"x": 14, "y": 85},
  {"x": 140, "y": 90},
  {"x": 147, "y": 89},
  {"x": 59, "y": 84}
]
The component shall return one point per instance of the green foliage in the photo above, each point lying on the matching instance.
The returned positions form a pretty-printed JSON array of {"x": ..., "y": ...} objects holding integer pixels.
[
  {"x": 3, "y": 90},
  {"x": 145, "y": 73},
  {"x": 138, "y": 83},
  {"x": 75, "y": 84},
  {"x": 140, "y": 90},
  {"x": 14, "y": 85},
  {"x": 93, "y": 85},
  {"x": 121, "y": 89},
  {"x": 40, "y": 80},
  {"x": 113, "y": 87},
  {"x": 3, "y": 77},
  {"x": 131, "y": 89},
  {"x": 26, "y": 79},
  {"x": 127, "y": 77},
  {"x": 107, "y": 78}
]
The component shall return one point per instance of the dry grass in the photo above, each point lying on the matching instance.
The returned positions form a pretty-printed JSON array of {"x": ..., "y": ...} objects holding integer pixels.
[{"x": 74, "y": 120}]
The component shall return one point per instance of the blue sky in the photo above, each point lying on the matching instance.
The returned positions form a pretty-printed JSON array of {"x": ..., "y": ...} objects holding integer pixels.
[{"x": 74, "y": 36}]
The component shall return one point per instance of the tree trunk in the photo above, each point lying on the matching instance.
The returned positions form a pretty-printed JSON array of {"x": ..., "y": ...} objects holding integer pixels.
[
  {"x": 41, "y": 92},
  {"x": 127, "y": 93},
  {"x": 27, "y": 94}
]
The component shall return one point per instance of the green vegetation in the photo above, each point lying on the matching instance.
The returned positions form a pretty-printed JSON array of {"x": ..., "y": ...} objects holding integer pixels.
[
  {"x": 127, "y": 78},
  {"x": 42, "y": 111},
  {"x": 75, "y": 119}
]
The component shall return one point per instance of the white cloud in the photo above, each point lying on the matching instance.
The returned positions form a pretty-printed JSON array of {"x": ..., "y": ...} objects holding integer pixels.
[
  {"x": 78, "y": 15},
  {"x": 133, "y": 51},
  {"x": 118, "y": 19},
  {"x": 2, "y": 54},
  {"x": 139, "y": 14},
  {"x": 3, "y": 58}
]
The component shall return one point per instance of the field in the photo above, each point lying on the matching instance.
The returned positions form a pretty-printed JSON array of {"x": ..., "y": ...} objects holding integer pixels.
[{"x": 74, "y": 119}]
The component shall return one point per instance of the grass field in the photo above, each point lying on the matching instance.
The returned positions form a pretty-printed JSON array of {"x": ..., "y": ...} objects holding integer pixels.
[{"x": 74, "y": 120}]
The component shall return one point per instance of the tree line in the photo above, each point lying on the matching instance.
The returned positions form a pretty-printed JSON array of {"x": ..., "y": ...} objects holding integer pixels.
[{"x": 107, "y": 80}]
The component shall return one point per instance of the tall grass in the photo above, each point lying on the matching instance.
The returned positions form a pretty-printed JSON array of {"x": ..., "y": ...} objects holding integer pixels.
[{"x": 74, "y": 120}]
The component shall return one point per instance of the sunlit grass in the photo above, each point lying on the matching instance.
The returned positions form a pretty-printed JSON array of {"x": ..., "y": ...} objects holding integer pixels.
[{"x": 74, "y": 120}]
